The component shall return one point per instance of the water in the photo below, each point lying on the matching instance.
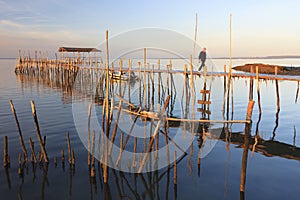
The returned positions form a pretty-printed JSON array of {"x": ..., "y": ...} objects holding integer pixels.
[{"x": 218, "y": 177}]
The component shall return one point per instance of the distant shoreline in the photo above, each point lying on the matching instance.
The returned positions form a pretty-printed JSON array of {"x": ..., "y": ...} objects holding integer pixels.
[
  {"x": 240, "y": 57},
  {"x": 269, "y": 69},
  {"x": 260, "y": 57}
]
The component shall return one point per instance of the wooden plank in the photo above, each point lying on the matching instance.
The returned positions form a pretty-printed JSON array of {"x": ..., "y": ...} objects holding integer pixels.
[
  {"x": 205, "y": 91},
  {"x": 204, "y": 102},
  {"x": 203, "y": 111}
]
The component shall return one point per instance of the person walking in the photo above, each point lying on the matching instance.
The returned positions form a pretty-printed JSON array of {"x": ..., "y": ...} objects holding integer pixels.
[{"x": 202, "y": 58}]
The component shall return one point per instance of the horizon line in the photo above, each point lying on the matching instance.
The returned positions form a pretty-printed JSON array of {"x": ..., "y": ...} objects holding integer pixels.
[{"x": 218, "y": 57}]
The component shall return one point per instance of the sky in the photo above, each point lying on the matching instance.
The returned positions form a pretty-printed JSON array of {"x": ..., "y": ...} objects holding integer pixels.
[{"x": 259, "y": 28}]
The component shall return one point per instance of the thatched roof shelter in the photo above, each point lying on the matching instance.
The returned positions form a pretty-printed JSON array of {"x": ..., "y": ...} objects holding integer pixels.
[{"x": 75, "y": 49}]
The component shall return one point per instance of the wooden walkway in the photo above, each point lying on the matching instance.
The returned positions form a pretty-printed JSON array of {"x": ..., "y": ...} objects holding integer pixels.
[{"x": 200, "y": 73}]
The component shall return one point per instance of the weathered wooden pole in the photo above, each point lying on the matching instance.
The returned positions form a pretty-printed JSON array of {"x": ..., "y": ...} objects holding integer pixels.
[
  {"x": 278, "y": 109},
  {"x": 115, "y": 127},
  {"x": 191, "y": 71},
  {"x": 258, "y": 96},
  {"x": 145, "y": 80},
  {"x": 150, "y": 145},
  {"x": 129, "y": 80},
  {"x": 62, "y": 156},
  {"x": 158, "y": 80},
  {"x": 249, "y": 110},
  {"x": 246, "y": 147},
  {"x": 5, "y": 152},
  {"x": 69, "y": 148},
  {"x": 175, "y": 168},
  {"x": 89, "y": 134},
  {"x": 44, "y": 153},
  {"x": 93, "y": 171},
  {"x": 33, "y": 157},
  {"x": 230, "y": 43},
  {"x": 19, "y": 129},
  {"x": 127, "y": 138},
  {"x": 134, "y": 162},
  {"x": 105, "y": 170}
]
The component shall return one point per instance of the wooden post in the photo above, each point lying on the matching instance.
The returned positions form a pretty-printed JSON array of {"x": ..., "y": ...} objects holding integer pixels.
[
  {"x": 33, "y": 157},
  {"x": 246, "y": 148},
  {"x": 73, "y": 157},
  {"x": 256, "y": 71},
  {"x": 44, "y": 153},
  {"x": 93, "y": 148},
  {"x": 249, "y": 110},
  {"x": 145, "y": 57},
  {"x": 107, "y": 112},
  {"x": 69, "y": 148},
  {"x": 89, "y": 123},
  {"x": 230, "y": 43},
  {"x": 115, "y": 127},
  {"x": 191, "y": 70},
  {"x": 154, "y": 135},
  {"x": 127, "y": 138},
  {"x": 19, "y": 129},
  {"x": 251, "y": 89},
  {"x": 144, "y": 83},
  {"x": 20, "y": 169},
  {"x": 158, "y": 80},
  {"x": 244, "y": 162},
  {"x": 62, "y": 156},
  {"x": 134, "y": 153},
  {"x": 129, "y": 80},
  {"x": 5, "y": 152},
  {"x": 175, "y": 168},
  {"x": 258, "y": 96}
]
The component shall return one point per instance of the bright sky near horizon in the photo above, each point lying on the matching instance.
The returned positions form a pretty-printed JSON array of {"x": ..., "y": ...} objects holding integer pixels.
[{"x": 259, "y": 28}]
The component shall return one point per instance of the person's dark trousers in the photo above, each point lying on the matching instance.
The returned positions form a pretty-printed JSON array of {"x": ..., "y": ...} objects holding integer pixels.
[{"x": 201, "y": 66}]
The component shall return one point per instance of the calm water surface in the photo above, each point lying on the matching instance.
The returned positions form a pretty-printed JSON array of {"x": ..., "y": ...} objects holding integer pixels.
[{"x": 218, "y": 177}]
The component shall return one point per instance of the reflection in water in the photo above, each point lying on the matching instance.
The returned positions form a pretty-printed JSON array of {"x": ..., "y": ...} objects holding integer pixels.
[
  {"x": 278, "y": 110},
  {"x": 149, "y": 185},
  {"x": 244, "y": 159},
  {"x": 7, "y": 177}
]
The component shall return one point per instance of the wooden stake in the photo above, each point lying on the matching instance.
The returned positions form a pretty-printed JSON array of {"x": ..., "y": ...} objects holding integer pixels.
[
  {"x": 230, "y": 42},
  {"x": 19, "y": 129},
  {"x": 69, "y": 148},
  {"x": 5, "y": 152},
  {"x": 115, "y": 127},
  {"x": 44, "y": 153},
  {"x": 62, "y": 156},
  {"x": 154, "y": 135},
  {"x": 249, "y": 110},
  {"x": 89, "y": 124},
  {"x": 175, "y": 168},
  {"x": 33, "y": 157},
  {"x": 73, "y": 158},
  {"x": 105, "y": 176},
  {"x": 93, "y": 148}
]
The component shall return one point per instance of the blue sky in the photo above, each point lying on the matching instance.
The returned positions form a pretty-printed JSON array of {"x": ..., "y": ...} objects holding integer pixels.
[{"x": 260, "y": 28}]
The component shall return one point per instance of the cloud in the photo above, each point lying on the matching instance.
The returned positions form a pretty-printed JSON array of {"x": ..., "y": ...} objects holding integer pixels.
[{"x": 9, "y": 23}]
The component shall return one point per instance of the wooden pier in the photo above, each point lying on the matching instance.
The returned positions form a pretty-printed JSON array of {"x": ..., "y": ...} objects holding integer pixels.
[{"x": 108, "y": 85}]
